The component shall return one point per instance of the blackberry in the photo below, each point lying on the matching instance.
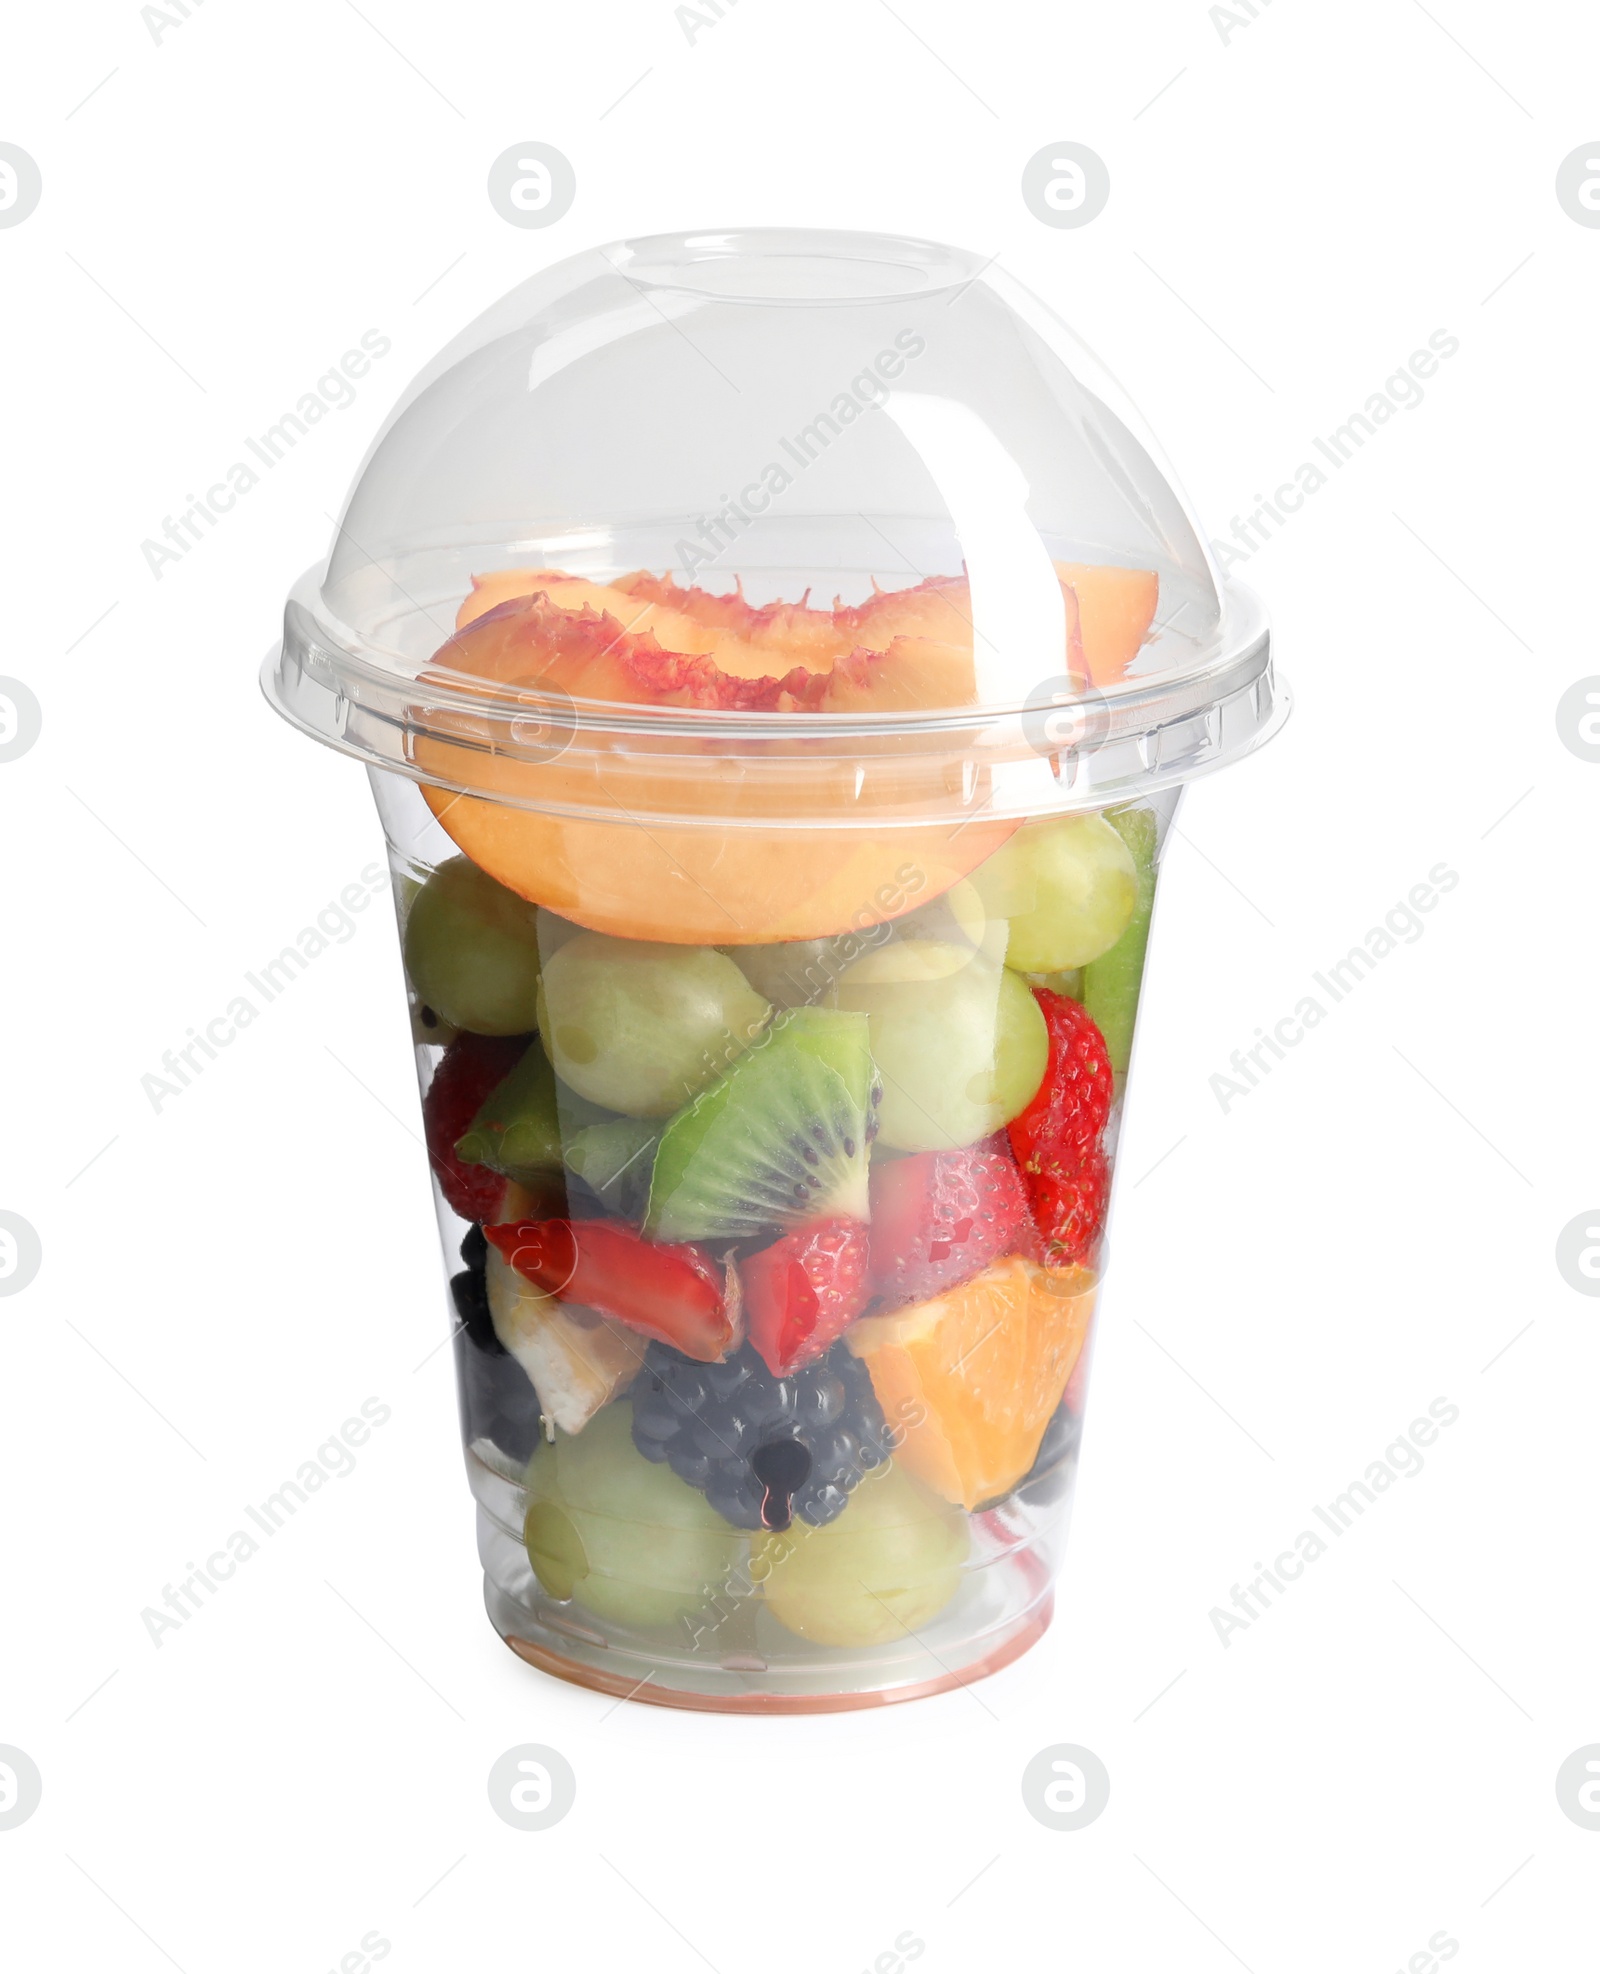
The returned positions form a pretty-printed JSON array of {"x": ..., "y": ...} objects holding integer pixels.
[
  {"x": 761, "y": 1449},
  {"x": 470, "y": 1295},
  {"x": 1046, "y": 1479},
  {"x": 498, "y": 1402}
]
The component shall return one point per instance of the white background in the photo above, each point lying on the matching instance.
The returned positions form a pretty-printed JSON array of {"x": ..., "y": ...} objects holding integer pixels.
[{"x": 1372, "y": 1228}]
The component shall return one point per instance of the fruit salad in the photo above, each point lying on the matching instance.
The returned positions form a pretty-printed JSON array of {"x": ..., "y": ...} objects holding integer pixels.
[{"x": 779, "y": 1203}]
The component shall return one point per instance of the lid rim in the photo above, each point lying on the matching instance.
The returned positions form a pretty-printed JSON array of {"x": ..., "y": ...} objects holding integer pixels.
[
  {"x": 1120, "y": 793},
  {"x": 1243, "y": 660},
  {"x": 667, "y": 262}
]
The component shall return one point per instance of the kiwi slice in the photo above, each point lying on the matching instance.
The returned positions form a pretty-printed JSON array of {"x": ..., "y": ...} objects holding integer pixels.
[
  {"x": 1111, "y": 983},
  {"x": 781, "y": 1139}
]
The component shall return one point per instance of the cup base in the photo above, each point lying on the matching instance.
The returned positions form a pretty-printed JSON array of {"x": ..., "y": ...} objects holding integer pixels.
[{"x": 738, "y": 1695}]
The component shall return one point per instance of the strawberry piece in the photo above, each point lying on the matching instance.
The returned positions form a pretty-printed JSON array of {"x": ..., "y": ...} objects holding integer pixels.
[
  {"x": 677, "y": 1294},
  {"x": 804, "y": 1291},
  {"x": 941, "y": 1217},
  {"x": 1070, "y": 1210},
  {"x": 1057, "y": 1137},
  {"x": 468, "y": 1071},
  {"x": 1070, "y": 1107}
]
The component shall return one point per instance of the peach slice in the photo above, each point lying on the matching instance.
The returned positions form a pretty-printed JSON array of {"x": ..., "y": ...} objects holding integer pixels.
[
  {"x": 745, "y": 642},
  {"x": 795, "y": 633},
  {"x": 1111, "y": 609},
  {"x": 540, "y": 643},
  {"x": 710, "y": 886},
  {"x": 724, "y": 878},
  {"x": 1116, "y": 608},
  {"x": 940, "y": 608},
  {"x": 543, "y": 642},
  {"x": 910, "y": 676},
  {"x": 489, "y": 592}
]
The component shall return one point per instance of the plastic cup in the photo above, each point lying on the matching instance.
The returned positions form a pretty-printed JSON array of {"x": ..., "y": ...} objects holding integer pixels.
[{"x": 774, "y": 930}]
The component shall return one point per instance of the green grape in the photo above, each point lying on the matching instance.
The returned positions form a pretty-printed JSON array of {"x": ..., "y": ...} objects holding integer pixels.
[
  {"x": 800, "y": 972},
  {"x": 1068, "y": 886},
  {"x": 554, "y": 932},
  {"x": 642, "y": 1028},
  {"x": 957, "y": 916},
  {"x": 959, "y": 1041},
  {"x": 1069, "y": 981},
  {"x": 797, "y": 972},
  {"x": 472, "y": 951},
  {"x": 890, "y": 1563},
  {"x": 619, "y": 1535}
]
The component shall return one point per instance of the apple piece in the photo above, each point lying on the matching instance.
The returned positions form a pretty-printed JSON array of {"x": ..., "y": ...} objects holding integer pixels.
[{"x": 577, "y": 1359}]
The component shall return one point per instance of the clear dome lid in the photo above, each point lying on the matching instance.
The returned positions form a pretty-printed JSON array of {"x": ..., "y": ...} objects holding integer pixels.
[{"x": 850, "y": 514}]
